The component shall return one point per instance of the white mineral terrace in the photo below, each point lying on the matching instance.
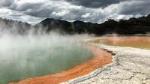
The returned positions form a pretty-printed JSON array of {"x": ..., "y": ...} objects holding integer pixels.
[{"x": 129, "y": 66}]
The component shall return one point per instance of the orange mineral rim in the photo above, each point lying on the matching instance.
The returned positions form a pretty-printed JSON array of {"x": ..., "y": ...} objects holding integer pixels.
[{"x": 101, "y": 58}]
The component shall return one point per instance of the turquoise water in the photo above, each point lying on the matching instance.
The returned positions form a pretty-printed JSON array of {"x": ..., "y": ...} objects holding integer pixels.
[{"x": 24, "y": 57}]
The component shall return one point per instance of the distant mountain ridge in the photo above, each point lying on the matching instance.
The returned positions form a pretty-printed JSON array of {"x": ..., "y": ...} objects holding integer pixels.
[
  {"x": 139, "y": 25},
  {"x": 14, "y": 26},
  {"x": 132, "y": 26}
]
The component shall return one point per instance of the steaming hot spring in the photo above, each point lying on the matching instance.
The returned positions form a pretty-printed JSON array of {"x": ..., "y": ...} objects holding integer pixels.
[{"x": 54, "y": 58}]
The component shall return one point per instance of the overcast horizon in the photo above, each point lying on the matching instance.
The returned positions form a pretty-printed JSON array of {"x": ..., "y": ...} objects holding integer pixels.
[{"x": 96, "y": 11}]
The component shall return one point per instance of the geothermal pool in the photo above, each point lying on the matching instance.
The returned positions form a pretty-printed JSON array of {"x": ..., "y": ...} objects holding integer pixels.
[{"x": 38, "y": 55}]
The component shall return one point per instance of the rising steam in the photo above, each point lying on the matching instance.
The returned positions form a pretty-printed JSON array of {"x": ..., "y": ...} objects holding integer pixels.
[{"x": 30, "y": 55}]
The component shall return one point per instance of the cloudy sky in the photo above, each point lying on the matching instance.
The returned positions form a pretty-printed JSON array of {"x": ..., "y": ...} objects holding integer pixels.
[{"x": 96, "y": 11}]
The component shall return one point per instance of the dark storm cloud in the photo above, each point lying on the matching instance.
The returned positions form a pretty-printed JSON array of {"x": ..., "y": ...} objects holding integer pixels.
[
  {"x": 94, "y": 3},
  {"x": 86, "y": 10},
  {"x": 6, "y": 3},
  {"x": 136, "y": 7}
]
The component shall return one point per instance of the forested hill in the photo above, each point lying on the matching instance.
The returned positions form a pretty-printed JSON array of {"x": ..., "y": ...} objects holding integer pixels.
[
  {"x": 132, "y": 26},
  {"x": 125, "y": 27}
]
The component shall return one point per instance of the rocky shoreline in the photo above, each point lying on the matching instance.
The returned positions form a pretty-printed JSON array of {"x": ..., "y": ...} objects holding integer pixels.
[{"x": 129, "y": 66}]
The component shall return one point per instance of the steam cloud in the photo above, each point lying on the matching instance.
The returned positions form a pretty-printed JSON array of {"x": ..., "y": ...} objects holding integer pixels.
[
  {"x": 86, "y": 10},
  {"x": 29, "y": 55}
]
